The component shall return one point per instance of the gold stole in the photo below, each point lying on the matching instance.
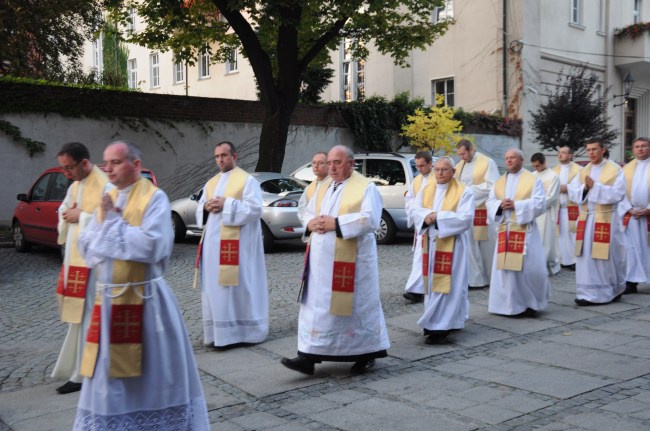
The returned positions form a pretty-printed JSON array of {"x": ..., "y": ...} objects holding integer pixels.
[
  {"x": 417, "y": 184},
  {"x": 444, "y": 253},
  {"x": 229, "y": 241},
  {"x": 345, "y": 250},
  {"x": 127, "y": 304},
  {"x": 628, "y": 170},
  {"x": 481, "y": 164},
  {"x": 602, "y": 216},
  {"x": 573, "y": 210},
  {"x": 512, "y": 237},
  {"x": 311, "y": 189},
  {"x": 73, "y": 278}
]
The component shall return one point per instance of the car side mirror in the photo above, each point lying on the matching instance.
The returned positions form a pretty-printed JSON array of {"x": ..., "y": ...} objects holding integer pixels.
[{"x": 22, "y": 197}]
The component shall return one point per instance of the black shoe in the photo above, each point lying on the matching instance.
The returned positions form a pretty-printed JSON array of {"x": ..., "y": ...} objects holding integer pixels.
[
  {"x": 617, "y": 298},
  {"x": 530, "y": 313},
  {"x": 361, "y": 367},
  {"x": 436, "y": 337},
  {"x": 585, "y": 303},
  {"x": 414, "y": 297},
  {"x": 300, "y": 364},
  {"x": 571, "y": 267},
  {"x": 478, "y": 287},
  {"x": 630, "y": 287},
  {"x": 68, "y": 388}
]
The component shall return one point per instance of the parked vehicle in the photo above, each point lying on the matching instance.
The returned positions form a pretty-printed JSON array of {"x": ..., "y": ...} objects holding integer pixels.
[
  {"x": 36, "y": 216},
  {"x": 393, "y": 174},
  {"x": 280, "y": 195}
]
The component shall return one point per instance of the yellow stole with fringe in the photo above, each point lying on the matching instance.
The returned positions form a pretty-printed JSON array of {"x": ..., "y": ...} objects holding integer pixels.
[
  {"x": 573, "y": 209},
  {"x": 481, "y": 164},
  {"x": 628, "y": 171},
  {"x": 444, "y": 252},
  {"x": 602, "y": 215},
  {"x": 512, "y": 236},
  {"x": 73, "y": 279},
  {"x": 127, "y": 303}
]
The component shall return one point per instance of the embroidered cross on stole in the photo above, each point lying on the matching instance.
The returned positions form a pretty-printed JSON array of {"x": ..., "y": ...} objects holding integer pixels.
[
  {"x": 481, "y": 164},
  {"x": 511, "y": 242},
  {"x": 573, "y": 210}
]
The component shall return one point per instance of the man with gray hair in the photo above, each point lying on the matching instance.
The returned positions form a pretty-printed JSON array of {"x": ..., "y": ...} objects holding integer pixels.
[
  {"x": 519, "y": 285},
  {"x": 443, "y": 215}
]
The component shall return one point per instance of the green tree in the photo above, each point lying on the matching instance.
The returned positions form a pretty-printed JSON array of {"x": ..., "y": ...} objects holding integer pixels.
[
  {"x": 573, "y": 113},
  {"x": 281, "y": 39},
  {"x": 44, "y": 39},
  {"x": 115, "y": 57},
  {"x": 435, "y": 130}
]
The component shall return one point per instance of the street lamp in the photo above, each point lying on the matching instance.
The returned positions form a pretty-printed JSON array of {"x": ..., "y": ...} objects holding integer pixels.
[{"x": 628, "y": 83}]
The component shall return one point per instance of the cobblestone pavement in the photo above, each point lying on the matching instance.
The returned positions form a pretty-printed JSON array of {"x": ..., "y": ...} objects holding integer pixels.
[{"x": 569, "y": 369}]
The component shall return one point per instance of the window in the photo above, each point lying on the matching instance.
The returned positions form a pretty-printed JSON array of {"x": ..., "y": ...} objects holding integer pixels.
[
  {"x": 637, "y": 11},
  {"x": 98, "y": 61},
  {"x": 385, "y": 172},
  {"x": 442, "y": 13},
  {"x": 204, "y": 63},
  {"x": 40, "y": 189},
  {"x": 154, "y": 65},
  {"x": 130, "y": 24},
  {"x": 353, "y": 75},
  {"x": 59, "y": 187},
  {"x": 601, "y": 17},
  {"x": 444, "y": 87},
  {"x": 231, "y": 64},
  {"x": 133, "y": 73},
  {"x": 179, "y": 73},
  {"x": 576, "y": 12}
]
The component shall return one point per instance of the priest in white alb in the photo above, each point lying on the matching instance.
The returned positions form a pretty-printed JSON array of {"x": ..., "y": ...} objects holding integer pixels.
[
  {"x": 634, "y": 210},
  {"x": 138, "y": 362},
  {"x": 341, "y": 318},
  {"x": 569, "y": 211},
  {"x": 443, "y": 216},
  {"x": 316, "y": 187},
  {"x": 547, "y": 222},
  {"x": 231, "y": 253},
  {"x": 519, "y": 285},
  {"x": 479, "y": 173},
  {"x": 414, "y": 290},
  {"x": 600, "y": 246}
]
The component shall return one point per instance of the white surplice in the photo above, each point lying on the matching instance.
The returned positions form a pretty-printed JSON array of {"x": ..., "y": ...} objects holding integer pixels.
[
  {"x": 303, "y": 201},
  {"x": 234, "y": 314},
  {"x": 546, "y": 222},
  {"x": 566, "y": 240},
  {"x": 512, "y": 292},
  {"x": 480, "y": 252},
  {"x": 69, "y": 360},
  {"x": 636, "y": 234},
  {"x": 600, "y": 280},
  {"x": 168, "y": 395},
  {"x": 444, "y": 311},
  {"x": 364, "y": 332},
  {"x": 414, "y": 282}
]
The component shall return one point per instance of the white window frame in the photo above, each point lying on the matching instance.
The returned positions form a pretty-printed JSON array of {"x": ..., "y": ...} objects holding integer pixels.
[
  {"x": 98, "y": 54},
  {"x": 179, "y": 72},
  {"x": 601, "y": 18},
  {"x": 575, "y": 12},
  {"x": 130, "y": 25},
  {"x": 443, "y": 13},
  {"x": 446, "y": 93},
  {"x": 154, "y": 70},
  {"x": 232, "y": 65},
  {"x": 636, "y": 11},
  {"x": 353, "y": 75},
  {"x": 204, "y": 64},
  {"x": 133, "y": 72}
]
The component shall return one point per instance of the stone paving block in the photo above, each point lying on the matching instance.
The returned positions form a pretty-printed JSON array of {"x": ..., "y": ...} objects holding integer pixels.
[
  {"x": 51, "y": 422},
  {"x": 226, "y": 426},
  {"x": 485, "y": 394},
  {"x": 563, "y": 298},
  {"x": 567, "y": 313},
  {"x": 37, "y": 402},
  {"x": 286, "y": 347},
  {"x": 418, "y": 380},
  {"x": 517, "y": 326},
  {"x": 625, "y": 406},
  {"x": 489, "y": 413},
  {"x": 433, "y": 398},
  {"x": 520, "y": 403},
  {"x": 311, "y": 405},
  {"x": 639, "y": 348},
  {"x": 346, "y": 396},
  {"x": 600, "y": 340},
  {"x": 258, "y": 421},
  {"x": 614, "y": 308},
  {"x": 270, "y": 379},
  {"x": 407, "y": 321},
  {"x": 627, "y": 327},
  {"x": 219, "y": 363},
  {"x": 412, "y": 348},
  {"x": 476, "y": 335},
  {"x": 289, "y": 427},
  {"x": 378, "y": 415},
  {"x": 603, "y": 421},
  {"x": 216, "y": 398}
]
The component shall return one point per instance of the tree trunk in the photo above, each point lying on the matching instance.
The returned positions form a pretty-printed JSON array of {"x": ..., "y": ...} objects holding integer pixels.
[{"x": 273, "y": 140}]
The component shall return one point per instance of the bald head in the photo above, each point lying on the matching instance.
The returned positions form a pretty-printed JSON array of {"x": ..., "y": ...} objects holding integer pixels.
[{"x": 514, "y": 160}]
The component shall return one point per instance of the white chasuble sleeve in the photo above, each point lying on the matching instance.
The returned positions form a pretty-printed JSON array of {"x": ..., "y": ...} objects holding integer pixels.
[
  {"x": 452, "y": 223},
  {"x": 367, "y": 219},
  {"x": 493, "y": 204},
  {"x": 302, "y": 207},
  {"x": 62, "y": 226}
]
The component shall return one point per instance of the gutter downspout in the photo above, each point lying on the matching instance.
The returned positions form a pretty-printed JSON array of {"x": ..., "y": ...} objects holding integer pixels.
[{"x": 504, "y": 109}]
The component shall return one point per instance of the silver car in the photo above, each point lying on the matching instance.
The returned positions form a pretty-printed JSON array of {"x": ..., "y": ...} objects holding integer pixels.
[{"x": 280, "y": 195}]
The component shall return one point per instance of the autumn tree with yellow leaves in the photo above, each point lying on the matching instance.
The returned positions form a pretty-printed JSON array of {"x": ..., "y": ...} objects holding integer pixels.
[{"x": 435, "y": 130}]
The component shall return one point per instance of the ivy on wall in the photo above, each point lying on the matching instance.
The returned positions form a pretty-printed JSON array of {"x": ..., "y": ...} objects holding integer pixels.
[{"x": 33, "y": 147}]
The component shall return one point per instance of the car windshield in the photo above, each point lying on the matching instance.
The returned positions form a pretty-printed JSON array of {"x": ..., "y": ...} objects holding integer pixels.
[
  {"x": 413, "y": 168},
  {"x": 282, "y": 185}
]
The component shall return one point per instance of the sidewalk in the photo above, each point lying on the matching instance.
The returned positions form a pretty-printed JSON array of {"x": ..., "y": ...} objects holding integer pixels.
[{"x": 569, "y": 369}]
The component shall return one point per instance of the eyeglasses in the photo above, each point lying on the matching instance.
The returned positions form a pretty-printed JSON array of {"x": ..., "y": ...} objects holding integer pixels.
[
  {"x": 68, "y": 168},
  {"x": 441, "y": 170},
  {"x": 319, "y": 163}
]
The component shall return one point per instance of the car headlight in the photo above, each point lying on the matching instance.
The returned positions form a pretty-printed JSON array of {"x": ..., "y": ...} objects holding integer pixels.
[{"x": 284, "y": 203}]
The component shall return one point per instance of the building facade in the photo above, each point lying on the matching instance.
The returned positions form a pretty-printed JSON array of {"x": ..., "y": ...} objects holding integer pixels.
[{"x": 499, "y": 56}]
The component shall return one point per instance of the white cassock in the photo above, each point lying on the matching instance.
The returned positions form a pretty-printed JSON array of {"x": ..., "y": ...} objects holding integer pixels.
[
  {"x": 169, "y": 386},
  {"x": 451, "y": 310},
  {"x": 303, "y": 201},
  {"x": 414, "y": 283},
  {"x": 234, "y": 314},
  {"x": 69, "y": 360},
  {"x": 343, "y": 337},
  {"x": 566, "y": 239},
  {"x": 480, "y": 252},
  {"x": 599, "y": 280},
  {"x": 546, "y": 222},
  {"x": 512, "y": 292},
  {"x": 636, "y": 234}
]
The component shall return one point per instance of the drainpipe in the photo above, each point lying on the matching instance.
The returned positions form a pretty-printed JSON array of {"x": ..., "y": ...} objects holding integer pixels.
[{"x": 504, "y": 109}]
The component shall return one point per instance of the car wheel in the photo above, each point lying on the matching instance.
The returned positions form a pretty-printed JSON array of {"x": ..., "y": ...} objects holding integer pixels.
[
  {"x": 179, "y": 228},
  {"x": 267, "y": 239},
  {"x": 20, "y": 244},
  {"x": 387, "y": 230}
]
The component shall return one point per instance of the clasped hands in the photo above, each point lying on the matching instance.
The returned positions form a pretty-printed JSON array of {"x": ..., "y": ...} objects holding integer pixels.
[
  {"x": 71, "y": 215},
  {"x": 589, "y": 182},
  {"x": 507, "y": 204},
  {"x": 322, "y": 224},
  {"x": 430, "y": 218},
  {"x": 637, "y": 213},
  {"x": 214, "y": 205},
  {"x": 107, "y": 205}
]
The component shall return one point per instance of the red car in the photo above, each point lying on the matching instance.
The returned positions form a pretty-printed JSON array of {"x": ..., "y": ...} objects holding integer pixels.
[{"x": 36, "y": 216}]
